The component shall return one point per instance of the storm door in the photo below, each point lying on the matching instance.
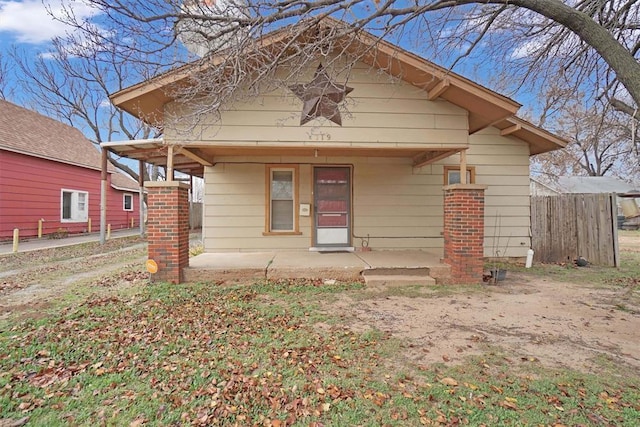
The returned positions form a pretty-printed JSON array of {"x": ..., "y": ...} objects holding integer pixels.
[{"x": 332, "y": 206}]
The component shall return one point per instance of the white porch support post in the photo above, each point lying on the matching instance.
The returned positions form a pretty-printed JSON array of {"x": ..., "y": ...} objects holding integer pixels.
[
  {"x": 103, "y": 197},
  {"x": 191, "y": 202},
  {"x": 170, "y": 163},
  {"x": 463, "y": 167},
  {"x": 141, "y": 195}
]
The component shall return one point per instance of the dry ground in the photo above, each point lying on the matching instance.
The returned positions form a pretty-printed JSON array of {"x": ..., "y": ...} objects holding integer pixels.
[
  {"x": 560, "y": 324},
  {"x": 32, "y": 282},
  {"x": 530, "y": 316}
]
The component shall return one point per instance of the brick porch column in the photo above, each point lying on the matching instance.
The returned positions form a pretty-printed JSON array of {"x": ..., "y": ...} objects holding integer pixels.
[
  {"x": 168, "y": 228},
  {"x": 464, "y": 231}
]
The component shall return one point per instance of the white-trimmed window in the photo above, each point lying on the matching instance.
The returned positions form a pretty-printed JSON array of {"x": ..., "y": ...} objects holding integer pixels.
[
  {"x": 127, "y": 202},
  {"x": 282, "y": 195},
  {"x": 74, "y": 206}
]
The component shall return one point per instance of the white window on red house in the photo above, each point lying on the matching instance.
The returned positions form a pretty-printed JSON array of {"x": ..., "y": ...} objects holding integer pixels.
[
  {"x": 127, "y": 202},
  {"x": 74, "y": 206}
]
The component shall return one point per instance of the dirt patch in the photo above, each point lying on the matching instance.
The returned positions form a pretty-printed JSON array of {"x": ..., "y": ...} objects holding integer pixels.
[
  {"x": 558, "y": 324},
  {"x": 31, "y": 288},
  {"x": 629, "y": 241}
]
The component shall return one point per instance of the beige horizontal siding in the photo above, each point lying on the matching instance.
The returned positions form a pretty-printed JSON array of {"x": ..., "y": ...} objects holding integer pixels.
[
  {"x": 502, "y": 163},
  {"x": 396, "y": 215},
  {"x": 378, "y": 111},
  {"x": 391, "y": 199},
  {"x": 339, "y": 136},
  {"x": 499, "y": 180}
]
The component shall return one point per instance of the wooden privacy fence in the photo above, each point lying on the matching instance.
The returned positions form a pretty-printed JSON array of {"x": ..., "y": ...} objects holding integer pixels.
[
  {"x": 195, "y": 215},
  {"x": 567, "y": 226}
]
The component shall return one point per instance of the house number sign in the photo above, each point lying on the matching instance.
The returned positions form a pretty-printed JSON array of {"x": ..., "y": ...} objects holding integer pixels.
[{"x": 319, "y": 137}]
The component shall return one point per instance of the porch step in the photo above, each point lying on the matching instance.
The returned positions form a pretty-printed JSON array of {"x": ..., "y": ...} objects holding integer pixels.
[
  {"x": 398, "y": 280},
  {"x": 434, "y": 274},
  {"x": 399, "y": 276}
]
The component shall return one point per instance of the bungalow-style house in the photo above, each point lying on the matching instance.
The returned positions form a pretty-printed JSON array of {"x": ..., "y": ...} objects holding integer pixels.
[
  {"x": 50, "y": 179},
  {"x": 289, "y": 169}
]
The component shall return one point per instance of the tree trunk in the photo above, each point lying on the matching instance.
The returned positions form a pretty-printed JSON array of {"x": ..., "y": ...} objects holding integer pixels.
[{"x": 615, "y": 54}]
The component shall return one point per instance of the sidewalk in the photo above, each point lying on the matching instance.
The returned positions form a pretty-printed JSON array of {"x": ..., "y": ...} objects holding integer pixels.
[{"x": 45, "y": 243}]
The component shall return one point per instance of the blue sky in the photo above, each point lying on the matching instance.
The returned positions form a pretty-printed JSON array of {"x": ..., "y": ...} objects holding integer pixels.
[
  {"x": 29, "y": 26},
  {"x": 27, "y": 22}
]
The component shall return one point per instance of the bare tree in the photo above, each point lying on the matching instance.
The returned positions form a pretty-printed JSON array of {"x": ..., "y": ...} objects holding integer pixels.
[
  {"x": 602, "y": 142},
  {"x": 72, "y": 84},
  {"x": 592, "y": 45},
  {"x": 4, "y": 80}
]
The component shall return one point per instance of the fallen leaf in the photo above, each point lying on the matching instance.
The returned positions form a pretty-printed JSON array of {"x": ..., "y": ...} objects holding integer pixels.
[
  {"x": 137, "y": 422},
  {"x": 449, "y": 381},
  {"x": 6, "y": 422},
  {"x": 508, "y": 404}
]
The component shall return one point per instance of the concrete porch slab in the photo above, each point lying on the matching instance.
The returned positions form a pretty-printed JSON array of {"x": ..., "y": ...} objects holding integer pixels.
[
  {"x": 344, "y": 266},
  {"x": 230, "y": 267},
  {"x": 234, "y": 267}
]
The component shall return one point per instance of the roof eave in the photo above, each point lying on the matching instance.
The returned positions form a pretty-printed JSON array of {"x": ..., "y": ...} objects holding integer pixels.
[{"x": 539, "y": 140}]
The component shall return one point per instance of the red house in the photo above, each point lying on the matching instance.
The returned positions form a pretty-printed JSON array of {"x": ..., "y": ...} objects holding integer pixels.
[{"x": 49, "y": 171}]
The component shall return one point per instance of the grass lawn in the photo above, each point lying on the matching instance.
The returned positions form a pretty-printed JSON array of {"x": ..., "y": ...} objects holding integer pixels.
[{"x": 268, "y": 355}]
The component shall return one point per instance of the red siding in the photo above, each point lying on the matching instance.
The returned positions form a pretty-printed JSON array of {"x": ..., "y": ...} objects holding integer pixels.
[{"x": 30, "y": 189}]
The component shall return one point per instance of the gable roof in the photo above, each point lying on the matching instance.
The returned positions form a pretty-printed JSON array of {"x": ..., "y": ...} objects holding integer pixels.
[
  {"x": 27, "y": 132},
  {"x": 485, "y": 107},
  {"x": 120, "y": 181},
  {"x": 144, "y": 100}
]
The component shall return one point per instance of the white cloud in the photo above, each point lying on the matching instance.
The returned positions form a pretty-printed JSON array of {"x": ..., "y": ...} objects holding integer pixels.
[{"x": 30, "y": 22}]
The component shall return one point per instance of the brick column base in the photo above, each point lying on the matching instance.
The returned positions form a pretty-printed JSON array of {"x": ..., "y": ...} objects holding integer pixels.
[
  {"x": 464, "y": 231},
  {"x": 168, "y": 228}
]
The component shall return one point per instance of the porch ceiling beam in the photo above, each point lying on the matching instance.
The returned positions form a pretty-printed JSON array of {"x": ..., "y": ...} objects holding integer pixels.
[
  {"x": 160, "y": 160},
  {"x": 193, "y": 156},
  {"x": 438, "y": 89},
  {"x": 510, "y": 130},
  {"x": 187, "y": 165},
  {"x": 135, "y": 151},
  {"x": 428, "y": 157}
]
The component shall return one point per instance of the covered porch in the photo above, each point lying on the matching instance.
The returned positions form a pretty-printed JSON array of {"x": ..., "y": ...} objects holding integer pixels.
[{"x": 460, "y": 261}]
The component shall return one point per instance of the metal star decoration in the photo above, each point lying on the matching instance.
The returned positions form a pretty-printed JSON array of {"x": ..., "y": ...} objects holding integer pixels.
[{"x": 321, "y": 97}]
